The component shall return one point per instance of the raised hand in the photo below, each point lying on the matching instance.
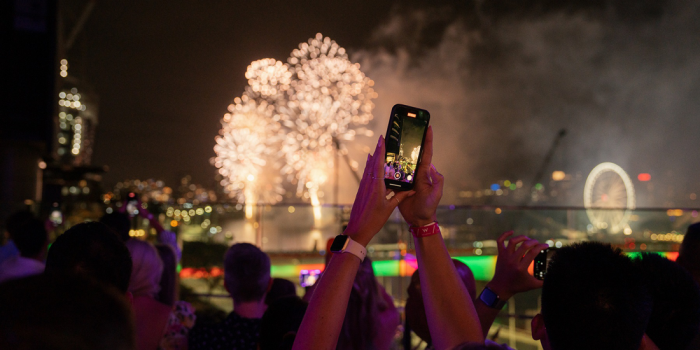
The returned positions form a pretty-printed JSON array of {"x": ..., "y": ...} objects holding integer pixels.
[
  {"x": 373, "y": 203},
  {"x": 419, "y": 209},
  {"x": 512, "y": 274}
]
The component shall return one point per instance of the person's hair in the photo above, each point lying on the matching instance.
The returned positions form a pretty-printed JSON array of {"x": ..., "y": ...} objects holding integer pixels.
[
  {"x": 467, "y": 277},
  {"x": 280, "y": 288},
  {"x": 416, "y": 320},
  {"x": 93, "y": 250},
  {"x": 689, "y": 252},
  {"x": 63, "y": 312},
  {"x": 281, "y": 320},
  {"x": 594, "y": 297},
  {"x": 146, "y": 269},
  {"x": 18, "y": 219},
  {"x": 246, "y": 272},
  {"x": 119, "y": 222},
  {"x": 361, "y": 316},
  {"x": 168, "y": 279},
  {"x": 30, "y": 238},
  {"x": 675, "y": 317}
]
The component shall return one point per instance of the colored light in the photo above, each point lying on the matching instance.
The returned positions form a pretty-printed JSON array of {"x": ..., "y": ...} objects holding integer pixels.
[
  {"x": 558, "y": 175},
  {"x": 483, "y": 266},
  {"x": 513, "y": 187},
  {"x": 644, "y": 177},
  {"x": 538, "y": 187},
  {"x": 495, "y": 187}
]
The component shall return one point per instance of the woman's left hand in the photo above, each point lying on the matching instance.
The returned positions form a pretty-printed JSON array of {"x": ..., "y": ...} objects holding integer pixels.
[{"x": 373, "y": 203}]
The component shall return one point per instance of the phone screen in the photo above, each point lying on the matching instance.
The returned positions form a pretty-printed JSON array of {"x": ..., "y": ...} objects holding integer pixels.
[
  {"x": 404, "y": 145},
  {"x": 131, "y": 208},
  {"x": 308, "y": 278},
  {"x": 542, "y": 261}
]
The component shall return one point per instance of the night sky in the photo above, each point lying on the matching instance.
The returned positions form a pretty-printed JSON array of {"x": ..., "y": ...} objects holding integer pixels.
[
  {"x": 500, "y": 79},
  {"x": 165, "y": 72}
]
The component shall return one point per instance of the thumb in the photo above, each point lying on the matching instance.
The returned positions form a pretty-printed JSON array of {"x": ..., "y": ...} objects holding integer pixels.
[{"x": 438, "y": 180}]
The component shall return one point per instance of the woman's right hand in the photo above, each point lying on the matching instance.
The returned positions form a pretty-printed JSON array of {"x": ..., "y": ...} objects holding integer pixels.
[{"x": 420, "y": 209}]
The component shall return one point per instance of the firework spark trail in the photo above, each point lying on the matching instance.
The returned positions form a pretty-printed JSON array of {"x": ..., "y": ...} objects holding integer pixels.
[
  {"x": 328, "y": 98},
  {"x": 245, "y": 152}
]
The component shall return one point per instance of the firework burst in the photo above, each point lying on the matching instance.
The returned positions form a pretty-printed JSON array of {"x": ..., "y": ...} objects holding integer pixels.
[
  {"x": 328, "y": 98},
  {"x": 245, "y": 152}
]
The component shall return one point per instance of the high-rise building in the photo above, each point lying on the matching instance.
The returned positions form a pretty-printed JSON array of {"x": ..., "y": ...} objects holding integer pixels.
[{"x": 76, "y": 122}]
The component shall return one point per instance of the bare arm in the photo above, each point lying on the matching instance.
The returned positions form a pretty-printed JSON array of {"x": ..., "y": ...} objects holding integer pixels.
[
  {"x": 452, "y": 318},
  {"x": 324, "y": 317}
]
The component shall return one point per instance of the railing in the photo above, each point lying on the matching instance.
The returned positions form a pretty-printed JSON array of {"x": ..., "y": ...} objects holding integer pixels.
[{"x": 295, "y": 239}]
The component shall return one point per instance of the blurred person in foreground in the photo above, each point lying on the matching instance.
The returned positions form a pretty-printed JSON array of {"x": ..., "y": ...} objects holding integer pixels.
[
  {"x": 371, "y": 318},
  {"x": 93, "y": 251},
  {"x": 280, "y": 323},
  {"x": 609, "y": 289},
  {"x": 416, "y": 320},
  {"x": 689, "y": 252},
  {"x": 675, "y": 316},
  {"x": 63, "y": 312},
  {"x": 119, "y": 222},
  {"x": 281, "y": 288},
  {"x": 247, "y": 279},
  {"x": 158, "y": 325},
  {"x": 31, "y": 240}
]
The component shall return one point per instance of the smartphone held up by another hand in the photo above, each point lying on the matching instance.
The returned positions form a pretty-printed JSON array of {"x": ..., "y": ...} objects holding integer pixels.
[
  {"x": 405, "y": 137},
  {"x": 542, "y": 261}
]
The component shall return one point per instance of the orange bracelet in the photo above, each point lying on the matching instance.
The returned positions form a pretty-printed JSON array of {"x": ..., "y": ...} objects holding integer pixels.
[{"x": 425, "y": 231}]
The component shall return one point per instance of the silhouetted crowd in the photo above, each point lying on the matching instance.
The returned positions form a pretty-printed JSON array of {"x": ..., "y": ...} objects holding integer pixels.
[{"x": 98, "y": 288}]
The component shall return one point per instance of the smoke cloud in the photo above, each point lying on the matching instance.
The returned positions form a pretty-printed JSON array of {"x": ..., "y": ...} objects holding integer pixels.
[{"x": 624, "y": 81}]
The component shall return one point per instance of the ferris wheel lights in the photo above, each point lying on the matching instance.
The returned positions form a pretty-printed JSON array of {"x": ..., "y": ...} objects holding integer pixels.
[{"x": 644, "y": 177}]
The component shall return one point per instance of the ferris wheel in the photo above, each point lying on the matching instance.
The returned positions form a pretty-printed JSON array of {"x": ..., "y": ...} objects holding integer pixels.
[{"x": 608, "y": 197}]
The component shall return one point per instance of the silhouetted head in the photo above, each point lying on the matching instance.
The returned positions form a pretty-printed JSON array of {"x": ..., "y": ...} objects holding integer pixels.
[
  {"x": 280, "y": 288},
  {"x": 281, "y": 321},
  {"x": 168, "y": 279},
  {"x": 689, "y": 253},
  {"x": 119, "y": 222},
  {"x": 675, "y": 317},
  {"x": 594, "y": 297},
  {"x": 63, "y": 312},
  {"x": 31, "y": 238},
  {"x": 246, "y": 272},
  {"x": 92, "y": 250}
]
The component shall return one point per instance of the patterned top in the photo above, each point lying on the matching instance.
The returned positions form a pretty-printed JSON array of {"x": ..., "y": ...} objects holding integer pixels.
[
  {"x": 180, "y": 322},
  {"x": 235, "y": 333}
]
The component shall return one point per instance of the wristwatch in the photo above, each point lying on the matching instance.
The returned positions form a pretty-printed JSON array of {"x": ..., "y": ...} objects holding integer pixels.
[
  {"x": 344, "y": 244},
  {"x": 491, "y": 299}
]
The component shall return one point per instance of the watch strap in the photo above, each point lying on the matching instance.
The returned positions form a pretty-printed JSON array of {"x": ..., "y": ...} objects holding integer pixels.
[{"x": 354, "y": 248}]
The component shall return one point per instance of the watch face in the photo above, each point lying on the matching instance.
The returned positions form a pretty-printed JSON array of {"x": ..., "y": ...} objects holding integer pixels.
[
  {"x": 339, "y": 243},
  {"x": 488, "y": 297}
]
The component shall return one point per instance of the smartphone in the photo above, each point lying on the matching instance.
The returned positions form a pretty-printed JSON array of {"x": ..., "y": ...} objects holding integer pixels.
[
  {"x": 405, "y": 137},
  {"x": 308, "y": 278},
  {"x": 131, "y": 204},
  {"x": 542, "y": 261}
]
